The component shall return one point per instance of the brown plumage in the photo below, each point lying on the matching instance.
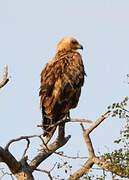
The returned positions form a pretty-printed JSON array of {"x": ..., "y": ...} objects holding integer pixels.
[{"x": 61, "y": 82}]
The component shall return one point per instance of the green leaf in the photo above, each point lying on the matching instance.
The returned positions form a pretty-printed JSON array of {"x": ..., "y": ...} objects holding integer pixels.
[
  {"x": 126, "y": 99},
  {"x": 109, "y": 107}
]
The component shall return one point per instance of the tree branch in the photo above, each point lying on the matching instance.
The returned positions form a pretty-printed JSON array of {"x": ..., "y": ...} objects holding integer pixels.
[
  {"x": 26, "y": 169},
  {"x": 21, "y": 138},
  {"x": 5, "y": 77},
  {"x": 45, "y": 153},
  {"x": 83, "y": 170},
  {"x": 66, "y": 121},
  {"x": 5, "y": 173},
  {"x": 23, "y": 171},
  {"x": 8, "y": 158},
  {"x": 109, "y": 167},
  {"x": 90, "y": 162},
  {"x": 27, "y": 147},
  {"x": 70, "y": 157},
  {"x": 99, "y": 121},
  {"x": 47, "y": 172}
]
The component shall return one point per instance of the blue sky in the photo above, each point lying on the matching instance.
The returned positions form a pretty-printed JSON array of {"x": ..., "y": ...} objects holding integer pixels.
[{"x": 29, "y": 33}]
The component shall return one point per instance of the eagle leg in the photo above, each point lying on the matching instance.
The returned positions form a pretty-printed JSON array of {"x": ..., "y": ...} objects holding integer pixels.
[{"x": 49, "y": 136}]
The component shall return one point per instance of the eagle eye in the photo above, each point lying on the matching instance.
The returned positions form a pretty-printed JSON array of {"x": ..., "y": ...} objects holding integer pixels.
[{"x": 74, "y": 42}]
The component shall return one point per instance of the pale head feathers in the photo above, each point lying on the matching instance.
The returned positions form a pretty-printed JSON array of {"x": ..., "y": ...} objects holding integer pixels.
[{"x": 68, "y": 43}]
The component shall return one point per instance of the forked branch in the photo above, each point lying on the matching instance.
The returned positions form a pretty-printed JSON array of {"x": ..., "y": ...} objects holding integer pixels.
[
  {"x": 90, "y": 162},
  {"x": 23, "y": 170}
]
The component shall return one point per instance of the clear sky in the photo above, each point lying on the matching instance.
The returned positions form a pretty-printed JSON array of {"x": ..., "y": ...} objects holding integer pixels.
[{"x": 29, "y": 32}]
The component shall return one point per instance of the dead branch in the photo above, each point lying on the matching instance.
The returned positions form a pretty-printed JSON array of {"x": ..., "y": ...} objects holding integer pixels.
[
  {"x": 48, "y": 172},
  {"x": 92, "y": 158},
  {"x": 6, "y": 173},
  {"x": 99, "y": 121},
  {"x": 8, "y": 158},
  {"x": 60, "y": 141},
  {"x": 21, "y": 138},
  {"x": 23, "y": 171},
  {"x": 80, "y": 120},
  {"x": 70, "y": 157},
  {"x": 27, "y": 147},
  {"x": 90, "y": 162},
  {"x": 83, "y": 170},
  {"x": 5, "y": 77},
  {"x": 66, "y": 121}
]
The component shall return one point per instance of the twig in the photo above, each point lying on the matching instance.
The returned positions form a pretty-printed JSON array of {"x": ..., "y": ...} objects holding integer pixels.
[
  {"x": 44, "y": 171},
  {"x": 60, "y": 154},
  {"x": 27, "y": 147},
  {"x": 5, "y": 77},
  {"x": 6, "y": 173},
  {"x": 100, "y": 120},
  {"x": 53, "y": 167},
  {"x": 123, "y": 109},
  {"x": 80, "y": 120},
  {"x": 21, "y": 138},
  {"x": 48, "y": 172}
]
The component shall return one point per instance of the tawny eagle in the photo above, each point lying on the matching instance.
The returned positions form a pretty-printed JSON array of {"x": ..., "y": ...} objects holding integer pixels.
[{"x": 61, "y": 82}]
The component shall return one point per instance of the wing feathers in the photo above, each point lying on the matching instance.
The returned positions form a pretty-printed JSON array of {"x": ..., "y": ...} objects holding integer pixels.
[{"x": 61, "y": 82}]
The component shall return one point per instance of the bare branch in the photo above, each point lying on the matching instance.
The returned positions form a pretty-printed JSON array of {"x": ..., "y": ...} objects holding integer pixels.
[
  {"x": 22, "y": 168},
  {"x": 80, "y": 120},
  {"x": 66, "y": 121},
  {"x": 5, "y": 77},
  {"x": 45, "y": 153},
  {"x": 21, "y": 138},
  {"x": 8, "y": 158},
  {"x": 88, "y": 142},
  {"x": 89, "y": 163},
  {"x": 89, "y": 130},
  {"x": 6, "y": 173},
  {"x": 27, "y": 147},
  {"x": 83, "y": 170},
  {"x": 99, "y": 121},
  {"x": 28, "y": 169},
  {"x": 47, "y": 172},
  {"x": 63, "y": 155}
]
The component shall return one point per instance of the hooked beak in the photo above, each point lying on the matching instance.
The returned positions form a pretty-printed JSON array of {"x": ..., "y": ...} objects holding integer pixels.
[{"x": 79, "y": 46}]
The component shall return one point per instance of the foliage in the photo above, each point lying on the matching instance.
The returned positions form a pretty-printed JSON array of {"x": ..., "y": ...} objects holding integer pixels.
[{"x": 120, "y": 158}]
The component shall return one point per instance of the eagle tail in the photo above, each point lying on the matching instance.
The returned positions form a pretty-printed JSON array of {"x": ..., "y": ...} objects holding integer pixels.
[{"x": 48, "y": 131}]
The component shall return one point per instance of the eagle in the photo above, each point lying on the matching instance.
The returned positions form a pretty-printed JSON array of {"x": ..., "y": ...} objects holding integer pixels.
[{"x": 61, "y": 82}]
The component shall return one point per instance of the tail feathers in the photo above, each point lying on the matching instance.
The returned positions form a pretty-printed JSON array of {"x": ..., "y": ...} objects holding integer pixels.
[
  {"x": 46, "y": 122},
  {"x": 48, "y": 132}
]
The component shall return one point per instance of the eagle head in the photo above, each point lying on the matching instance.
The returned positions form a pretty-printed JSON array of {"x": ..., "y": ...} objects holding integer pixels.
[{"x": 68, "y": 43}]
